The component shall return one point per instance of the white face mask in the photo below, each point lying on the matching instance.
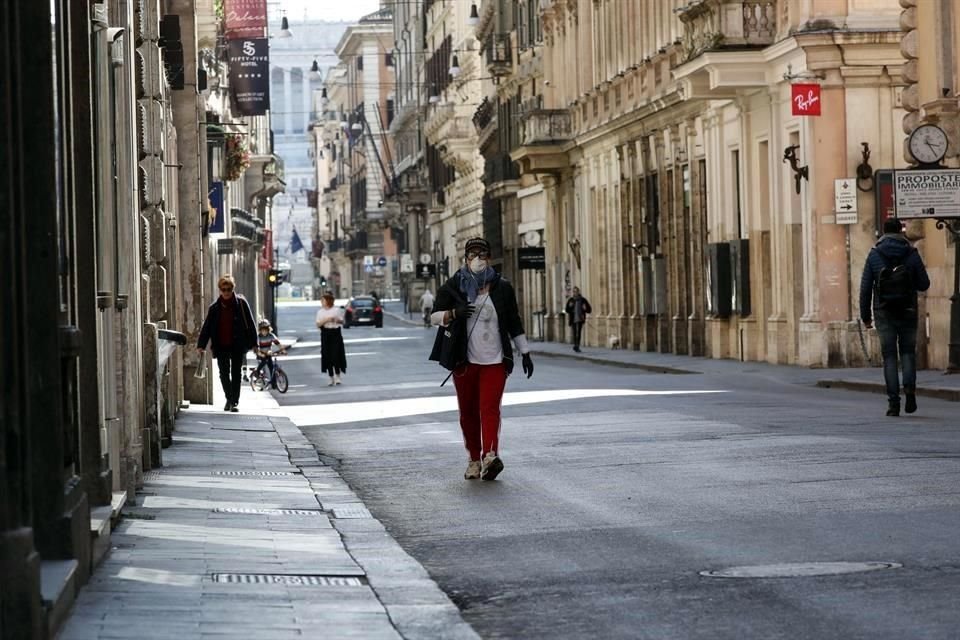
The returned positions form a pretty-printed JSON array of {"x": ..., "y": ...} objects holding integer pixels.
[{"x": 478, "y": 265}]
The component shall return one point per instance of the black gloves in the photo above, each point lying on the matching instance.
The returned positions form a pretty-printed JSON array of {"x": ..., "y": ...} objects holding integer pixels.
[
  {"x": 527, "y": 363},
  {"x": 463, "y": 311}
]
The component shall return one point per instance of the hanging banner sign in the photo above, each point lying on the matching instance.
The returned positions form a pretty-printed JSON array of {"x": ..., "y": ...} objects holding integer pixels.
[
  {"x": 245, "y": 18},
  {"x": 250, "y": 76},
  {"x": 216, "y": 203},
  {"x": 805, "y": 99}
]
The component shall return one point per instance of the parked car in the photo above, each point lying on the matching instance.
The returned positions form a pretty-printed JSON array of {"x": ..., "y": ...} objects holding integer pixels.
[{"x": 363, "y": 310}]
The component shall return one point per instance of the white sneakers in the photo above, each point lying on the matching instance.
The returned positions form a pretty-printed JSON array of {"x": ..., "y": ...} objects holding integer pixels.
[
  {"x": 491, "y": 467},
  {"x": 331, "y": 383},
  {"x": 473, "y": 470},
  {"x": 336, "y": 379}
]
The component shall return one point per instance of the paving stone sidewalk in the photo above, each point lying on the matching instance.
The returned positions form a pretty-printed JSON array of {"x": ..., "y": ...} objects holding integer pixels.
[{"x": 246, "y": 533}]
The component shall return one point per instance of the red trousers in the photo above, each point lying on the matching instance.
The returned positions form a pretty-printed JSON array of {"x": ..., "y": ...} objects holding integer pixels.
[{"x": 479, "y": 393}]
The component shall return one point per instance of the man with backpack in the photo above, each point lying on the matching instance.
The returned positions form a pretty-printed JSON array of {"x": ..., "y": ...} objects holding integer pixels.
[{"x": 892, "y": 276}]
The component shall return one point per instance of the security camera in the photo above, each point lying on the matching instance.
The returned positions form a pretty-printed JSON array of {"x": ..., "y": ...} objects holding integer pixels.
[{"x": 546, "y": 83}]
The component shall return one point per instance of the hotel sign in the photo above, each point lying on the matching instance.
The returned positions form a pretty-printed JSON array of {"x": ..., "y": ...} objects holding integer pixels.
[
  {"x": 250, "y": 76},
  {"x": 245, "y": 18}
]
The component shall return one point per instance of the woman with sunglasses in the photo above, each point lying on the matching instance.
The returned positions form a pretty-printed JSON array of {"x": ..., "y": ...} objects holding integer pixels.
[
  {"x": 479, "y": 309},
  {"x": 231, "y": 331}
]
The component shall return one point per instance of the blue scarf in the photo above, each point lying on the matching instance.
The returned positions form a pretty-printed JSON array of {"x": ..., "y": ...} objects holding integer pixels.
[{"x": 471, "y": 283}]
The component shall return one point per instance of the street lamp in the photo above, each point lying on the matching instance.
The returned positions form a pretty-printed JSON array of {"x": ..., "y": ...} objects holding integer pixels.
[
  {"x": 474, "y": 18},
  {"x": 315, "y": 73},
  {"x": 454, "y": 66},
  {"x": 285, "y": 28}
]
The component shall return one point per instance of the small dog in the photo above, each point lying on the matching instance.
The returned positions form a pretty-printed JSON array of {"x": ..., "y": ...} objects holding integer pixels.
[{"x": 613, "y": 342}]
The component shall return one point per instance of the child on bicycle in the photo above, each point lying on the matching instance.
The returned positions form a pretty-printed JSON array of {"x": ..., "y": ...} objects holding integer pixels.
[{"x": 265, "y": 341}]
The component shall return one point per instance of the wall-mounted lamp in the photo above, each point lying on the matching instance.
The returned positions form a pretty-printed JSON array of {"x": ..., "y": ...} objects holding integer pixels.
[
  {"x": 864, "y": 170},
  {"x": 474, "y": 18},
  {"x": 636, "y": 246},
  {"x": 285, "y": 28},
  {"x": 790, "y": 155},
  {"x": 315, "y": 71},
  {"x": 454, "y": 66},
  {"x": 433, "y": 99}
]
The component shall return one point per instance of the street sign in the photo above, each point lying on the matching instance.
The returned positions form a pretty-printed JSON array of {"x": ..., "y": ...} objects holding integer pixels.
[
  {"x": 533, "y": 258},
  {"x": 846, "y": 218},
  {"x": 922, "y": 193},
  {"x": 426, "y": 270},
  {"x": 368, "y": 261},
  {"x": 368, "y": 268},
  {"x": 382, "y": 261},
  {"x": 406, "y": 263},
  {"x": 845, "y": 196}
]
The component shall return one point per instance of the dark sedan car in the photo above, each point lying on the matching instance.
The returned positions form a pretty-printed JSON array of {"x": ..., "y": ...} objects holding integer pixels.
[{"x": 363, "y": 310}]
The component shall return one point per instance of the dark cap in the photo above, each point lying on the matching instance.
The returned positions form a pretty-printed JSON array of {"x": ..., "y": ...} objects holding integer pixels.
[
  {"x": 476, "y": 244},
  {"x": 892, "y": 225}
]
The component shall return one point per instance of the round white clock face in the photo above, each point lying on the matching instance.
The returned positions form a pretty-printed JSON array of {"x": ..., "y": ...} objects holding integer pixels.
[
  {"x": 532, "y": 238},
  {"x": 928, "y": 144}
]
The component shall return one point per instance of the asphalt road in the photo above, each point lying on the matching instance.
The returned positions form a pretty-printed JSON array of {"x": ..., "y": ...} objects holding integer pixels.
[{"x": 621, "y": 486}]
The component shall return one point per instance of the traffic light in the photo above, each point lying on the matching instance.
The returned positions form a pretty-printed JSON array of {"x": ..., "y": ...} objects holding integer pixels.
[
  {"x": 323, "y": 281},
  {"x": 275, "y": 277}
]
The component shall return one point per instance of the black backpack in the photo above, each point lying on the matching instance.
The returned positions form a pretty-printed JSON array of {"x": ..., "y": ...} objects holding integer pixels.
[{"x": 894, "y": 288}]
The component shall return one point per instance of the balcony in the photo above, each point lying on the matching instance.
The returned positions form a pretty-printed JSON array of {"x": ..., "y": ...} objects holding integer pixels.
[
  {"x": 499, "y": 52},
  {"x": 501, "y": 176},
  {"x": 711, "y": 25},
  {"x": 545, "y": 135}
]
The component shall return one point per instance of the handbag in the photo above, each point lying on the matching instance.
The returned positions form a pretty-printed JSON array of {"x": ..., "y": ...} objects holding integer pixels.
[{"x": 449, "y": 346}]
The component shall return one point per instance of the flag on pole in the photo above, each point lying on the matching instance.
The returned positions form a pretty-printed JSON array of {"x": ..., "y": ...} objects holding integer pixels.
[{"x": 295, "y": 244}]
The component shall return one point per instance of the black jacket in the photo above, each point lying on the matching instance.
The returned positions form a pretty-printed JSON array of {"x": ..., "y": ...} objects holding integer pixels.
[
  {"x": 508, "y": 317},
  {"x": 569, "y": 309},
  {"x": 244, "y": 329},
  {"x": 893, "y": 248}
]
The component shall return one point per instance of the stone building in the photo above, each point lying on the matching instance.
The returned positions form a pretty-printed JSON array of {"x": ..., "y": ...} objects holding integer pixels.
[
  {"x": 931, "y": 73},
  {"x": 694, "y": 210}
]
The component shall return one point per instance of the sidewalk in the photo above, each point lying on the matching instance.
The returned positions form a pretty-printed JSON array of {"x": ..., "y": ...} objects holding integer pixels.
[
  {"x": 246, "y": 533},
  {"x": 930, "y": 383}
]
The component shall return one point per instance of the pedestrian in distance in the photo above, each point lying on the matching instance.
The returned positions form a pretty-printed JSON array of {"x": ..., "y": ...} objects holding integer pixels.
[
  {"x": 333, "y": 355},
  {"x": 478, "y": 318},
  {"x": 266, "y": 338},
  {"x": 230, "y": 330},
  {"x": 892, "y": 276},
  {"x": 577, "y": 310},
  {"x": 426, "y": 306}
]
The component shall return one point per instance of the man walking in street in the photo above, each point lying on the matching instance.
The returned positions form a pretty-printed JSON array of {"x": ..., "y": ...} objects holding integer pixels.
[
  {"x": 577, "y": 310},
  {"x": 892, "y": 276},
  {"x": 426, "y": 306},
  {"x": 230, "y": 330}
]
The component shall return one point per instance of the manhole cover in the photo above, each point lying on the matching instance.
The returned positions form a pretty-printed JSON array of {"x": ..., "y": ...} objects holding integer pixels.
[
  {"x": 345, "y": 511},
  {"x": 273, "y": 578},
  {"x": 269, "y": 474},
  {"x": 133, "y": 515},
  {"x": 270, "y": 512},
  {"x": 799, "y": 569}
]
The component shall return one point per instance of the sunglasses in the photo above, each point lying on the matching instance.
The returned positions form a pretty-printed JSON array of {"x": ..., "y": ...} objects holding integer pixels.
[{"x": 226, "y": 289}]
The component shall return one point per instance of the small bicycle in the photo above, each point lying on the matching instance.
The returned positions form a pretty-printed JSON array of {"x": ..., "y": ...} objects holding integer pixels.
[{"x": 260, "y": 379}]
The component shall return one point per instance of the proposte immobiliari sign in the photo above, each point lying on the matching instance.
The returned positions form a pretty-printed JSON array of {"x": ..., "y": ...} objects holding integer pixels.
[{"x": 927, "y": 194}]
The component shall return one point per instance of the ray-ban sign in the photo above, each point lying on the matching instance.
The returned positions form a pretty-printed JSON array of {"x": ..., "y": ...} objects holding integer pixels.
[{"x": 805, "y": 99}]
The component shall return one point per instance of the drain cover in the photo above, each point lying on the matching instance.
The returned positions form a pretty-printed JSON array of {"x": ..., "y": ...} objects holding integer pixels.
[
  {"x": 799, "y": 569},
  {"x": 253, "y": 473},
  {"x": 270, "y": 512},
  {"x": 274, "y": 578},
  {"x": 344, "y": 511}
]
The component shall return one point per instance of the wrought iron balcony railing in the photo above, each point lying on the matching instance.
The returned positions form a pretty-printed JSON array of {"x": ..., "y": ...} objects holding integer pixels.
[
  {"x": 716, "y": 24},
  {"x": 499, "y": 168},
  {"x": 499, "y": 54}
]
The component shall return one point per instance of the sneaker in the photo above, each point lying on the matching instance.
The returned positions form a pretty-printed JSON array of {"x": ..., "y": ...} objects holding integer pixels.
[
  {"x": 331, "y": 383},
  {"x": 491, "y": 467},
  {"x": 227, "y": 406},
  {"x": 233, "y": 408},
  {"x": 893, "y": 408},
  {"x": 911, "y": 404},
  {"x": 473, "y": 470},
  {"x": 336, "y": 379}
]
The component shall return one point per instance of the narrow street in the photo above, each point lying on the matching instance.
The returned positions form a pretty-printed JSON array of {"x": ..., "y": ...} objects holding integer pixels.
[{"x": 622, "y": 486}]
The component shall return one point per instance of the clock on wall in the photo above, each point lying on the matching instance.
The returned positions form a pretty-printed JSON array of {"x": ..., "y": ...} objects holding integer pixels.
[
  {"x": 531, "y": 238},
  {"x": 928, "y": 144}
]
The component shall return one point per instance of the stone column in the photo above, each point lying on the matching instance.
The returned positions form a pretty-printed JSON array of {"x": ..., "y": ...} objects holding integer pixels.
[{"x": 187, "y": 113}]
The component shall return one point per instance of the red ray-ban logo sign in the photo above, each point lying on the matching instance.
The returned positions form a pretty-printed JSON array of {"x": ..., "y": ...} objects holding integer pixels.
[{"x": 805, "y": 99}]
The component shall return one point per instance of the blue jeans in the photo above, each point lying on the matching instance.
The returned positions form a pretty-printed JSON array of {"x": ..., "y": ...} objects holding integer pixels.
[{"x": 898, "y": 335}]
